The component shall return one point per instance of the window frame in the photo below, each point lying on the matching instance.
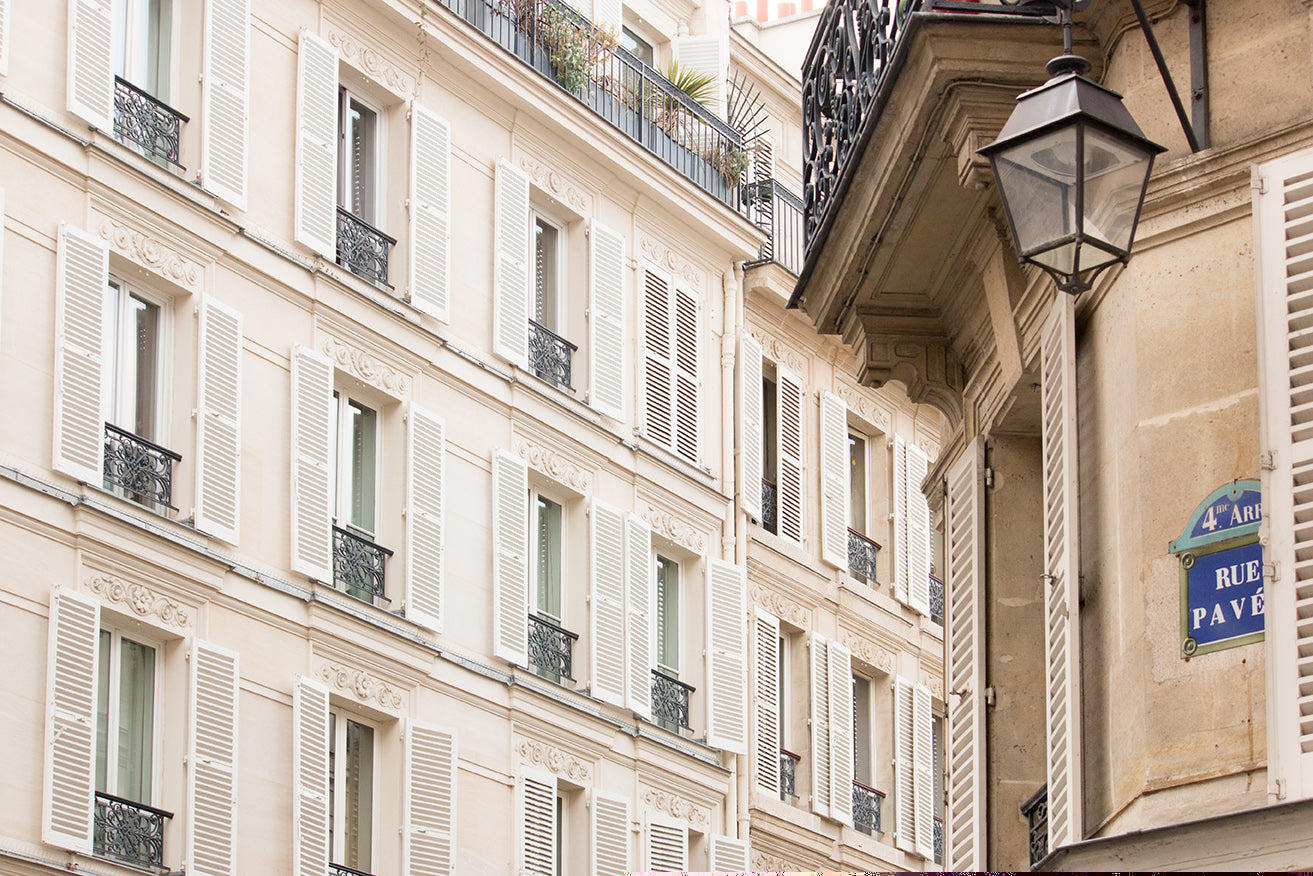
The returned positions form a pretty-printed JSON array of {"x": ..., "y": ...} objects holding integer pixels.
[
  {"x": 375, "y": 182},
  {"x": 536, "y": 493},
  {"x": 678, "y": 566},
  {"x": 129, "y": 58},
  {"x": 343, "y": 399},
  {"x": 337, "y": 724},
  {"x": 557, "y": 321},
  {"x": 118, "y": 347},
  {"x": 113, "y": 672}
]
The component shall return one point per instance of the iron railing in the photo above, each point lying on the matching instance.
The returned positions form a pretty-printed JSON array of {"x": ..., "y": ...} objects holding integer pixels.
[
  {"x": 147, "y": 122},
  {"x": 1036, "y": 810},
  {"x": 939, "y": 840},
  {"x": 866, "y": 808},
  {"x": 936, "y": 600},
  {"x": 769, "y": 507},
  {"x": 129, "y": 832},
  {"x": 862, "y": 556},
  {"x": 670, "y": 699},
  {"x": 551, "y": 649},
  {"x": 789, "y": 775},
  {"x": 344, "y": 870},
  {"x": 362, "y": 249},
  {"x": 141, "y": 469},
  {"x": 778, "y": 212},
  {"x": 549, "y": 355},
  {"x": 359, "y": 565}
]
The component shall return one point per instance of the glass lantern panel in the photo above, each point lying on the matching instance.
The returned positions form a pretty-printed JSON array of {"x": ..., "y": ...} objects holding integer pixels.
[
  {"x": 1037, "y": 181},
  {"x": 1114, "y": 177}
]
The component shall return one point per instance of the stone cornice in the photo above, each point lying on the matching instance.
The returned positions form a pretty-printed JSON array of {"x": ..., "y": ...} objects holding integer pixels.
[
  {"x": 151, "y": 253},
  {"x": 554, "y": 760},
  {"x": 556, "y": 465},
  {"x": 556, "y": 184},
  {"x": 361, "y": 685},
  {"x": 676, "y": 807},
  {"x": 141, "y": 600},
  {"x": 675, "y": 528},
  {"x": 374, "y": 64},
  {"x": 366, "y": 367}
]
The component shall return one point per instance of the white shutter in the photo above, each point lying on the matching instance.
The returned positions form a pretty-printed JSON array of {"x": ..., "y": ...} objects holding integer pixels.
[
  {"x": 840, "y": 674},
  {"x": 512, "y": 295},
  {"x": 751, "y": 426},
  {"x": 1061, "y": 568},
  {"x": 965, "y": 834},
  {"x": 667, "y": 846},
  {"x": 640, "y": 604},
  {"x": 537, "y": 827},
  {"x": 904, "y": 765},
  {"x": 918, "y": 532},
  {"x": 608, "y": 604},
  {"x": 218, "y": 422},
  {"x": 310, "y": 744},
  {"x": 729, "y": 855},
  {"x": 91, "y": 63},
  {"x": 68, "y": 798},
  {"x": 834, "y": 481},
  {"x": 1283, "y": 201},
  {"x": 900, "y": 519},
  {"x": 707, "y": 54},
  {"x": 316, "y": 145},
  {"x": 212, "y": 763},
  {"x": 225, "y": 99},
  {"x": 606, "y": 321},
  {"x": 820, "y": 725},
  {"x": 3, "y": 31},
  {"x": 727, "y": 663},
  {"x": 81, "y": 399},
  {"x": 688, "y": 385},
  {"x": 430, "y": 212},
  {"x": 5, "y": 17},
  {"x": 610, "y": 835},
  {"x": 425, "y": 477},
  {"x": 511, "y": 599},
  {"x": 788, "y": 445},
  {"x": 766, "y": 700},
  {"x": 923, "y": 756},
  {"x": 606, "y": 14},
  {"x": 429, "y": 819},
  {"x": 312, "y": 485},
  {"x": 658, "y": 369}
]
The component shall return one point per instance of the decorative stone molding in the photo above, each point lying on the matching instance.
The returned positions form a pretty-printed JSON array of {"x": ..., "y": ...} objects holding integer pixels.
[
  {"x": 150, "y": 253},
  {"x": 554, "y": 183},
  {"x": 373, "y": 64},
  {"x": 141, "y": 600},
  {"x": 936, "y": 685},
  {"x": 366, "y": 367},
  {"x": 676, "y": 807},
  {"x": 554, "y": 464},
  {"x": 859, "y": 403},
  {"x": 778, "y": 351},
  {"x": 912, "y": 349},
  {"x": 769, "y": 864},
  {"x": 667, "y": 258},
  {"x": 782, "y": 608},
  {"x": 929, "y": 446},
  {"x": 361, "y": 685},
  {"x": 555, "y": 760},
  {"x": 675, "y": 529},
  {"x": 868, "y": 652}
]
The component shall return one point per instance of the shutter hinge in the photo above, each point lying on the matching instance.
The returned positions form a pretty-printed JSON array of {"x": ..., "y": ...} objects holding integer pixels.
[
  {"x": 1270, "y": 570},
  {"x": 1257, "y": 183},
  {"x": 989, "y": 695},
  {"x": 1277, "y": 788},
  {"x": 989, "y": 476},
  {"x": 1267, "y": 461}
]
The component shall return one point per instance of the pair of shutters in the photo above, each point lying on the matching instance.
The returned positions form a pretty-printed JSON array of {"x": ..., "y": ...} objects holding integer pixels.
[
  {"x": 914, "y": 768},
  {"x": 313, "y": 412},
  {"x": 69, "y": 775},
  {"x": 911, "y": 527},
  {"x": 225, "y": 85},
  {"x": 790, "y": 397},
  {"x": 671, "y": 354},
  {"x": 428, "y": 789},
  {"x": 315, "y": 199},
  {"x": 82, "y": 384},
  {"x": 831, "y": 729}
]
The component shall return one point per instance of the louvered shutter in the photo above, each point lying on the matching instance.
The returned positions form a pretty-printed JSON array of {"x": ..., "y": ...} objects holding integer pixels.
[
  {"x": 218, "y": 422},
  {"x": 1061, "y": 567},
  {"x": 429, "y": 819},
  {"x": 658, "y": 368},
  {"x": 709, "y": 55},
  {"x": 511, "y": 598},
  {"x": 312, "y": 485},
  {"x": 904, "y": 766},
  {"x": 918, "y": 532},
  {"x": 923, "y": 756},
  {"x": 91, "y": 63},
  {"x": 430, "y": 212},
  {"x": 751, "y": 426},
  {"x": 608, "y": 604},
  {"x": 766, "y": 702},
  {"x": 900, "y": 519},
  {"x": 4, "y": 37},
  {"x": 310, "y": 766},
  {"x": 610, "y": 835},
  {"x": 425, "y": 477},
  {"x": 688, "y": 385},
  {"x": 606, "y": 321},
  {"x": 606, "y": 14},
  {"x": 68, "y": 797},
  {"x": 316, "y": 145},
  {"x": 1283, "y": 203},
  {"x": 965, "y": 836},
  {"x": 834, "y": 481},
  {"x": 640, "y": 621},
  {"x": 512, "y": 279},
  {"x": 537, "y": 815},
  {"x": 667, "y": 846},
  {"x": 729, "y": 855},
  {"x": 212, "y": 763},
  {"x": 81, "y": 397},
  {"x": 820, "y": 725},
  {"x": 840, "y": 674},
  {"x": 225, "y": 99},
  {"x": 3, "y": 30},
  {"x": 727, "y": 664},
  {"x": 788, "y": 445}
]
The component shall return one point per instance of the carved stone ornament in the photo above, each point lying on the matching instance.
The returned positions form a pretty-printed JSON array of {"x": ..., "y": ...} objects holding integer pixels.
[
  {"x": 663, "y": 256},
  {"x": 366, "y": 367},
  {"x": 555, "y": 760},
  {"x": 864, "y": 407},
  {"x": 936, "y": 685},
  {"x": 373, "y": 64},
  {"x": 678, "y": 531},
  {"x": 150, "y": 253},
  {"x": 784, "y": 609},
  {"x": 769, "y": 864},
  {"x": 778, "y": 351},
  {"x": 554, "y": 464},
  {"x": 141, "y": 600},
  {"x": 929, "y": 446},
  {"x": 868, "y": 652},
  {"x": 361, "y": 685},
  {"x": 676, "y": 807},
  {"x": 558, "y": 186}
]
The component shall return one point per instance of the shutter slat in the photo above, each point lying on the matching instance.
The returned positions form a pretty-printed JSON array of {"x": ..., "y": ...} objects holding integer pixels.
[
  {"x": 310, "y": 744},
  {"x": 512, "y": 287},
  {"x": 904, "y": 766},
  {"x": 640, "y": 604},
  {"x": 667, "y": 846},
  {"x": 316, "y": 145},
  {"x": 658, "y": 367},
  {"x": 751, "y": 425},
  {"x": 91, "y": 63},
  {"x": 225, "y": 99},
  {"x": 840, "y": 674},
  {"x": 425, "y": 480},
  {"x": 5, "y": 17},
  {"x": 709, "y": 55},
  {"x": 728, "y": 855},
  {"x": 80, "y": 392},
  {"x": 606, "y": 321},
  {"x": 69, "y": 779},
  {"x": 430, "y": 212},
  {"x": 608, "y": 604},
  {"x": 212, "y": 762},
  {"x": 429, "y": 826},
  {"x": 218, "y": 422},
  {"x": 766, "y": 693},
  {"x": 727, "y": 668},
  {"x": 610, "y": 835},
  {"x": 687, "y": 381},
  {"x": 510, "y": 569},
  {"x": 537, "y": 816},
  {"x": 923, "y": 757},
  {"x": 834, "y": 481},
  {"x": 820, "y": 725},
  {"x": 312, "y": 486},
  {"x": 789, "y": 503}
]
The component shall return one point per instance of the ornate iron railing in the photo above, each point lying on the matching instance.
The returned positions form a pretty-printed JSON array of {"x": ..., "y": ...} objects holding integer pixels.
[
  {"x": 549, "y": 355},
  {"x": 551, "y": 648},
  {"x": 939, "y": 840},
  {"x": 670, "y": 699},
  {"x": 148, "y": 122},
  {"x": 129, "y": 832},
  {"x": 362, "y": 249},
  {"x": 936, "y": 600},
  {"x": 778, "y": 212},
  {"x": 1036, "y": 810},
  {"x": 769, "y": 507},
  {"x": 789, "y": 775},
  {"x": 359, "y": 565},
  {"x": 141, "y": 469},
  {"x": 866, "y": 808},
  {"x": 862, "y": 556},
  {"x": 344, "y": 870}
]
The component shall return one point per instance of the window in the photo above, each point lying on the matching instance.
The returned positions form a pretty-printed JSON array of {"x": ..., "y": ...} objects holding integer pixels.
[
  {"x": 548, "y": 273},
  {"x": 351, "y": 791},
  {"x": 547, "y": 551},
  {"x": 125, "y": 718},
  {"x": 672, "y": 349},
  {"x": 866, "y": 799},
  {"x": 637, "y": 46},
  {"x": 142, "y": 41},
  {"x": 868, "y": 504},
  {"x": 769, "y": 454},
  {"x": 357, "y": 156},
  {"x": 359, "y": 562},
  {"x": 551, "y": 644},
  {"x": 668, "y": 615},
  {"x": 552, "y": 819}
]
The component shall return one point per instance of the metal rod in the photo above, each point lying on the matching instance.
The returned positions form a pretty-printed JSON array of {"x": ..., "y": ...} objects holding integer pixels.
[
  {"x": 1167, "y": 76},
  {"x": 1199, "y": 72}
]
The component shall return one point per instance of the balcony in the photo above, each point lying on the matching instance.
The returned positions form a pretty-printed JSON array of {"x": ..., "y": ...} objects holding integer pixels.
[
  {"x": 550, "y": 649},
  {"x": 148, "y": 123},
  {"x": 769, "y": 507},
  {"x": 778, "y": 212},
  {"x": 866, "y": 808},
  {"x": 359, "y": 566},
  {"x": 1036, "y": 811},
  {"x": 789, "y": 775},
  {"x": 344, "y": 870},
  {"x": 129, "y": 832},
  {"x": 140, "y": 470},
  {"x": 362, "y": 249},
  {"x": 670, "y": 699},
  {"x": 862, "y": 556},
  {"x": 936, "y": 600},
  {"x": 549, "y": 355}
]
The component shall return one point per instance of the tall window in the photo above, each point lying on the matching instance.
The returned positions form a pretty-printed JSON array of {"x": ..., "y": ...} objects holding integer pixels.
[
  {"x": 142, "y": 30},
  {"x": 351, "y": 791},
  {"x": 134, "y": 355},
  {"x": 770, "y": 421},
  {"x": 548, "y": 538},
  {"x": 548, "y": 264},
  {"x": 668, "y": 615},
  {"x": 857, "y": 482},
  {"x": 125, "y": 718},
  {"x": 358, "y": 157}
]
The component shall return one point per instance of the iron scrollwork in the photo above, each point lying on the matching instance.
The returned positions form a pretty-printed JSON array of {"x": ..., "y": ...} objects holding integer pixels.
[
  {"x": 148, "y": 122},
  {"x": 141, "y": 469},
  {"x": 788, "y": 775},
  {"x": 551, "y": 649},
  {"x": 363, "y": 249},
  {"x": 670, "y": 699},
  {"x": 862, "y": 556},
  {"x": 359, "y": 565},
  {"x": 769, "y": 507},
  {"x": 344, "y": 870},
  {"x": 1036, "y": 810},
  {"x": 866, "y": 808},
  {"x": 128, "y": 831},
  {"x": 549, "y": 355},
  {"x": 936, "y": 600},
  {"x": 778, "y": 212}
]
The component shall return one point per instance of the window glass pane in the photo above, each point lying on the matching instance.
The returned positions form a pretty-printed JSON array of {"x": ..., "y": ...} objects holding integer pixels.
[
  {"x": 668, "y": 615},
  {"x": 770, "y": 424},
  {"x": 359, "y": 130},
  {"x": 136, "y": 720},
  {"x": 636, "y": 46},
  {"x": 546, "y": 265},
  {"x": 144, "y": 364},
  {"x": 363, "y": 429},
  {"x": 159, "y": 23},
  {"x": 857, "y": 483},
  {"x": 862, "y": 731},
  {"x": 547, "y": 556},
  {"x": 780, "y": 693},
  {"x": 358, "y": 800},
  {"x": 102, "y": 712}
]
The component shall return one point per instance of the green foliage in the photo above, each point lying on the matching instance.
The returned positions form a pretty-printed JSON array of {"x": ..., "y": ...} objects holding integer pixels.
[
  {"x": 574, "y": 52},
  {"x": 701, "y": 87}
]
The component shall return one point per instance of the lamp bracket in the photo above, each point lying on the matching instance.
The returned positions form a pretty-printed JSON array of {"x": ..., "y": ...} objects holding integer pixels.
[{"x": 1196, "y": 132}]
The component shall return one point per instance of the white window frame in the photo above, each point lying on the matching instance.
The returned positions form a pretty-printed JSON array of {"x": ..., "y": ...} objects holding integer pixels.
[
  {"x": 555, "y": 321},
  {"x": 337, "y": 777},
  {"x": 341, "y": 473},
  {"x": 537, "y": 491},
  {"x": 375, "y": 179},
  {"x": 114, "y": 670},
  {"x": 128, "y": 56},
  {"x": 118, "y": 357},
  {"x": 681, "y": 590}
]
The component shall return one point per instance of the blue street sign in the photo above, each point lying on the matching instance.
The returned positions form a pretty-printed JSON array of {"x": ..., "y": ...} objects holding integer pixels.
[{"x": 1232, "y": 510}]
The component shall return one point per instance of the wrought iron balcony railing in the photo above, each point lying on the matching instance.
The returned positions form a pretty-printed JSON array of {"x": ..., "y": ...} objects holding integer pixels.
[
  {"x": 359, "y": 565},
  {"x": 551, "y": 649},
  {"x": 362, "y": 249},
  {"x": 549, "y": 355},
  {"x": 670, "y": 699},
  {"x": 866, "y": 808},
  {"x": 862, "y": 556},
  {"x": 936, "y": 600},
  {"x": 147, "y": 122},
  {"x": 939, "y": 840},
  {"x": 769, "y": 507},
  {"x": 344, "y": 870},
  {"x": 778, "y": 212},
  {"x": 789, "y": 775},
  {"x": 1036, "y": 811},
  {"x": 129, "y": 832},
  {"x": 141, "y": 469}
]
